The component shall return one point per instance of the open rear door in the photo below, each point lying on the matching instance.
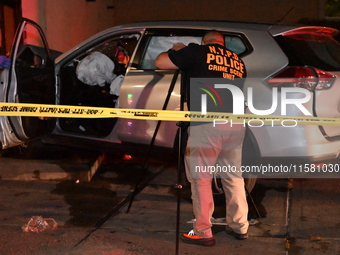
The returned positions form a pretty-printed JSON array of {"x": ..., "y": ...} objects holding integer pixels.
[{"x": 30, "y": 80}]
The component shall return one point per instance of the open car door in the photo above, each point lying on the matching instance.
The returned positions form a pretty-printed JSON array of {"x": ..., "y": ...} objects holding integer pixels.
[{"x": 30, "y": 79}]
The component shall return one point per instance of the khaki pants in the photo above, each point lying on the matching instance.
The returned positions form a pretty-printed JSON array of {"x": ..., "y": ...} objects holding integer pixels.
[{"x": 210, "y": 149}]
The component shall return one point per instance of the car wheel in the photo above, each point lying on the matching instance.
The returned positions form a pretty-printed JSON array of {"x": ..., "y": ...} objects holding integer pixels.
[
  {"x": 250, "y": 181},
  {"x": 250, "y": 157}
]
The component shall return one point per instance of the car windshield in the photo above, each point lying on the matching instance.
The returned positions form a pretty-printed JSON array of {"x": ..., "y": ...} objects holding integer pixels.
[{"x": 311, "y": 49}]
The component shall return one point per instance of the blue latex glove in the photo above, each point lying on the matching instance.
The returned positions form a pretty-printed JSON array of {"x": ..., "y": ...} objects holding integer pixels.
[{"x": 4, "y": 62}]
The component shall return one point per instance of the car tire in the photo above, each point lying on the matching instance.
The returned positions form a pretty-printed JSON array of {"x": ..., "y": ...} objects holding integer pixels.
[
  {"x": 250, "y": 157},
  {"x": 250, "y": 182}
]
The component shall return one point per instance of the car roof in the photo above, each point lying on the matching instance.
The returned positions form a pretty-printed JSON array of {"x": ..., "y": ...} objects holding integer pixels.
[
  {"x": 231, "y": 26},
  {"x": 207, "y": 24}
]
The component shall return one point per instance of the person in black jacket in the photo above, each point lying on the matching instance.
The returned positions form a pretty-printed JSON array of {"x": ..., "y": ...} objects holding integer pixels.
[{"x": 211, "y": 146}]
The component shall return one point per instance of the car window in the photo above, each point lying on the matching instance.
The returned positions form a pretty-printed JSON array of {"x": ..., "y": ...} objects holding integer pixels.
[
  {"x": 118, "y": 49},
  {"x": 235, "y": 44},
  {"x": 317, "y": 50},
  {"x": 94, "y": 78},
  {"x": 158, "y": 44},
  {"x": 32, "y": 50}
]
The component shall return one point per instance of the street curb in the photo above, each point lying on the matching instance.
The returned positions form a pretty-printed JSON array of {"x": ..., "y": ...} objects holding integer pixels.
[{"x": 32, "y": 170}]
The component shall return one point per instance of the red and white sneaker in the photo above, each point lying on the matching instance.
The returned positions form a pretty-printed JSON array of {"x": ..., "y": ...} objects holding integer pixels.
[{"x": 191, "y": 238}]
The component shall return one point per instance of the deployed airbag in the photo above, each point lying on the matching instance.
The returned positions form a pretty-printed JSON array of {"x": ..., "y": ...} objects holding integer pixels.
[{"x": 96, "y": 69}]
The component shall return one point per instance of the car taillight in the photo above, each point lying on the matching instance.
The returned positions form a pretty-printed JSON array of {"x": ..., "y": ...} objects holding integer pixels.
[
  {"x": 326, "y": 79},
  {"x": 302, "y": 77}
]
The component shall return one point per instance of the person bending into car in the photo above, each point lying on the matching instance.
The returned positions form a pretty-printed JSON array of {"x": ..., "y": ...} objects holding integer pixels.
[{"x": 207, "y": 145}]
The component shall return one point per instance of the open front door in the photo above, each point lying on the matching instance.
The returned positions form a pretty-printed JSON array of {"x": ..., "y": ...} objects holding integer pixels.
[{"x": 30, "y": 80}]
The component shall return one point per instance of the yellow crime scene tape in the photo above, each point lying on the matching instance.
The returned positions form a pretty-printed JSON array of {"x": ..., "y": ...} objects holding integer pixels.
[{"x": 69, "y": 111}]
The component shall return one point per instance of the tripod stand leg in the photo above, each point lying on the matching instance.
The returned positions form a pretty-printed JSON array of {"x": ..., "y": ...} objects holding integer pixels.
[
  {"x": 252, "y": 202},
  {"x": 181, "y": 137},
  {"x": 136, "y": 190},
  {"x": 145, "y": 168},
  {"x": 178, "y": 186}
]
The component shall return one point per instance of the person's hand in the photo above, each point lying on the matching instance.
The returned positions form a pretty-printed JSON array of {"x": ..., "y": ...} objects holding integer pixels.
[
  {"x": 4, "y": 62},
  {"x": 178, "y": 46}
]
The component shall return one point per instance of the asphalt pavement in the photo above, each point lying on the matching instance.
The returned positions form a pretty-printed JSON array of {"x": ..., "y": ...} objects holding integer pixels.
[{"x": 299, "y": 216}]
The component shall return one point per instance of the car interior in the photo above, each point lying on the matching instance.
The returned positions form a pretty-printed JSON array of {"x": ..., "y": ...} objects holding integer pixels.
[{"x": 94, "y": 78}]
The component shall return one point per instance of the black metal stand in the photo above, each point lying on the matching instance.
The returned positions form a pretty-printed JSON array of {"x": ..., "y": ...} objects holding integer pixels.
[
  {"x": 253, "y": 202},
  {"x": 147, "y": 157},
  {"x": 178, "y": 186},
  {"x": 180, "y": 154}
]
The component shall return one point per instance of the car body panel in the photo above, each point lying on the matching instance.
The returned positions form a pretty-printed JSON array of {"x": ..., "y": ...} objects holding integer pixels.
[
  {"x": 148, "y": 90},
  {"x": 331, "y": 98}
]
